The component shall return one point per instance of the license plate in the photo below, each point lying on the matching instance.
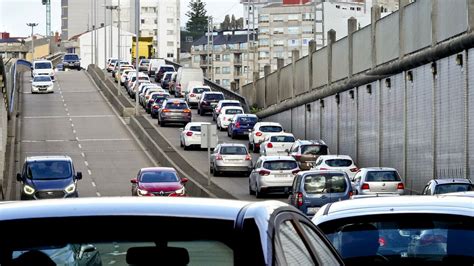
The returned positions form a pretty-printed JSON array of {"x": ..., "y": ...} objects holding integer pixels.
[
  {"x": 313, "y": 210},
  {"x": 246, "y": 132},
  {"x": 281, "y": 175}
]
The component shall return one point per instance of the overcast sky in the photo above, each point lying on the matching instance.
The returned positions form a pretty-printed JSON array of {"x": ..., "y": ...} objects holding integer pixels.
[{"x": 14, "y": 14}]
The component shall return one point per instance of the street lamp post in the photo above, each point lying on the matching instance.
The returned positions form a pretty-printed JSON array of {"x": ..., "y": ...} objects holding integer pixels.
[
  {"x": 32, "y": 25},
  {"x": 111, "y": 8},
  {"x": 105, "y": 34},
  {"x": 137, "y": 33}
]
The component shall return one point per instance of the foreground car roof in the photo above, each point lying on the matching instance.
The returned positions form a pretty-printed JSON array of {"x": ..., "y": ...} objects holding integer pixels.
[
  {"x": 48, "y": 158},
  {"x": 440, "y": 204}
]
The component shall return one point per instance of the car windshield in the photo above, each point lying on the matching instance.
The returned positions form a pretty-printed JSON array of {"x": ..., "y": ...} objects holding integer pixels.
[
  {"x": 325, "y": 183},
  {"x": 200, "y": 90},
  {"x": 280, "y": 165},
  {"x": 382, "y": 176},
  {"x": 229, "y": 104},
  {"x": 71, "y": 57},
  {"x": 160, "y": 96},
  {"x": 314, "y": 150},
  {"x": 271, "y": 129},
  {"x": 453, "y": 187},
  {"x": 176, "y": 105},
  {"x": 233, "y": 111},
  {"x": 159, "y": 176},
  {"x": 43, "y": 65},
  {"x": 195, "y": 128},
  {"x": 391, "y": 239},
  {"x": 44, "y": 170},
  {"x": 250, "y": 119},
  {"x": 214, "y": 96},
  {"x": 168, "y": 77},
  {"x": 282, "y": 139},
  {"x": 42, "y": 78},
  {"x": 233, "y": 150},
  {"x": 338, "y": 162},
  {"x": 166, "y": 69}
]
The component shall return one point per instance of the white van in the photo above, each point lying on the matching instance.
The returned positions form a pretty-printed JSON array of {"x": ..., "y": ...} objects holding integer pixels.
[
  {"x": 154, "y": 65},
  {"x": 43, "y": 68},
  {"x": 184, "y": 77}
]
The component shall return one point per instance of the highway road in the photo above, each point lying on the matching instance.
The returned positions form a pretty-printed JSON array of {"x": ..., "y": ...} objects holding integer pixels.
[{"x": 76, "y": 120}]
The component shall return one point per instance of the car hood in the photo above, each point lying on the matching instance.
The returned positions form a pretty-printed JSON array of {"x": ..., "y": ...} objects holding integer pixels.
[
  {"x": 157, "y": 187},
  {"x": 42, "y": 83},
  {"x": 51, "y": 184},
  {"x": 46, "y": 70},
  {"x": 71, "y": 60}
]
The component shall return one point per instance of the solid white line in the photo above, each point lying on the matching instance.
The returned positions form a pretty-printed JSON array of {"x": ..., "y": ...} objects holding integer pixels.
[
  {"x": 68, "y": 114},
  {"x": 83, "y": 155},
  {"x": 80, "y": 146},
  {"x": 93, "y": 184},
  {"x": 72, "y": 125},
  {"x": 65, "y": 105},
  {"x": 90, "y": 173},
  {"x": 86, "y": 163},
  {"x": 67, "y": 110},
  {"x": 74, "y": 116},
  {"x": 77, "y": 139},
  {"x": 46, "y": 140},
  {"x": 74, "y": 131},
  {"x": 91, "y": 140},
  {"x": 98, "y": 194}
]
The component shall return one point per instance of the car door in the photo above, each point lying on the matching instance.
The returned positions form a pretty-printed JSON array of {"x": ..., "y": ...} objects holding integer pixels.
[
  {"x": 254, "y": 174},
  {"x": 294, "y": 191},
  {"x": 213, "y": 155},
  {"x": 296, "y": 240}
]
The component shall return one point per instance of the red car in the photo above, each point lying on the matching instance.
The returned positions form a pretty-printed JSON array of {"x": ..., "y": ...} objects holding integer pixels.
[{"x": 158, "y": 181}]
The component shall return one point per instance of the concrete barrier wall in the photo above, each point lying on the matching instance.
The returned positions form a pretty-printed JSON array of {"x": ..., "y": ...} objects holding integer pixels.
[
  {"x": 320, "y": 67},
  {"x": 313, "y": 120},
  {"x": 362, "y": 50},
  {"x": 298, "y": 122},
  {"x": 249, "y": 93},
  {"x": 416, "y": 26},
  {"x": 340, "y": 58},
  {"x": 348, "y": 124},
  {"x": 329, "y": 114},
  {"x": 451, "y": 18},
  {"x": 387, "y": 44},
  {"x": 271, "y": 90},
  {"x": 301, "y": 76},
  {"x": 285, "y": 86},
  {"x": 260, "y": 93}
]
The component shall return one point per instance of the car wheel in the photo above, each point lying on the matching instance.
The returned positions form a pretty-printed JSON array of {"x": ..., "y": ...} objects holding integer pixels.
[
  {"x": 198, "y": 110},
  {"x": 254, "y": 148},
  {"x": 250, "y": 146},
  {"x": 228, "y": 134},
  {"x": 162, "y": 124},
  {"x": 201, "y": 113},
  {"x": 258, "y": 194},
  {"x": 251, "y": 192},
  {"x": 185, "y": 147},
  {"x": 215, "y": 172}
]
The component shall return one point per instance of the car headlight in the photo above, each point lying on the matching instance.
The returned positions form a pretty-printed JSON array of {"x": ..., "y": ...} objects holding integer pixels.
[
  {"x": 28, "y": 190},
  {"x": 180, "y": 191},
  {"x": 71, "y": 188},
  {"x": 142, "y": 192}
]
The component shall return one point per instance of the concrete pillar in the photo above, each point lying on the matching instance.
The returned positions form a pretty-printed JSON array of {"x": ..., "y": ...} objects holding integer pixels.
[
  {"x": 331, "y": 41},
  {"x": 401, "y": 32},
  {"x": 351, "y": 28},
  {"x": 470, "y": 15},
  {"x": 434, "y": 19},
  {"x": 312, "y": 50},
  {"x": 375, "y": 16},
  {"x": 280, "y": 65},
  {"x": 267, "y": 69},
  {"x": 233, "y": 86},
  {"x": 295, "y": 55},
  {"x": 255, "y": 77}
]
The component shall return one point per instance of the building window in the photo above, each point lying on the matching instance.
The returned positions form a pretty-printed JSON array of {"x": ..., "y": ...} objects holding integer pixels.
[
  {"x": 293, "y": 30},
  {"x": 263, "y": 55},
  {"x": 352, "y": 8},
  {"x": 307, "y": 30},
  {"x": 225, "y": 70},
  {"x": 278, "y": 43},
  {"x": 169, "y": 32},
  {"x": 278, "y": 18},
  {"x": 263, "y": 42},
  {"x": 246, "y": 69},
  {"x": 170, "y": 10},
  {"x": 226, "y": 57},
  {"x": 293, "y": 17},
  {"x": 155, "y": 32},
  {"x": 264, "y": 30},
  {"x": 358, "y": 9},
  {"x": 293, "y": 42},
  {"x": 218, "y": 81},
  {"x": 170, "y": 55},
  {"x": 197, "y": 59},
  {"x": 225, "y": 82},
  {"x": 308, "y": 17},
  {"x": 170, "y": 43},
  {"x": 170, "y": 20},
  {"x": 143, "y": 21},
  {"x": 338, "y": 6},
  {"x": 217, "y": 70},
  {"x": 264, "y": 18},
  {"x": 218, "y": 57},
  {"x": 156, "y": 21},
  {"x": 278, "y": 31},
  {"x": 306, "y": 41}
]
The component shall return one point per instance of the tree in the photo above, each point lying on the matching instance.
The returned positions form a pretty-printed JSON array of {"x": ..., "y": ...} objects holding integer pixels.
[
  {"x": 233, "y": 23},
  {"x": 197, "y": 23},
  {"x": 225, "y": 25},
  {"x": 240, "y": 23}
]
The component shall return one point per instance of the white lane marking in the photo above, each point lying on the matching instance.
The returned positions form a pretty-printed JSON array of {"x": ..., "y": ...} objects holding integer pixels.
[
  {"x": 72, "y": 125},
  {"x": 80, "y": 146},
  {"x": 65, "y": 105},
  {"x": 74, "y": 131},
  {"x": 86, "y": 163},
  {"x": 92, "y": 140},
  {"x": 77, "y": 139},
  {"x": 70, "y": 119},
  {"x": 67, "y": 110},
  {"x": 74, "y": 116},
  {"x": 83, "y": 155},
  {"x": 98, "y": 194},
  {"x": 68, "y": 114},
  {"x": 90, "y": 173},
  {"x": 93, "y": 184},
  {"x": 46, "y": 140}
]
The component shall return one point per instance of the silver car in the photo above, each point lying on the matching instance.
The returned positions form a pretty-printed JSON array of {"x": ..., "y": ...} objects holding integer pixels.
[
  {"x": 272, "y": 174},
  {"x": 378, "y": 180},
  {"x": 230, "y": 157}
]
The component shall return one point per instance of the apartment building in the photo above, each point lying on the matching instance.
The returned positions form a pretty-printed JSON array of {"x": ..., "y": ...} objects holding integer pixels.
[
  {"x": 252, "y": 9},
  {"x": 77, "y": 16},
  {"x": 229, "y": 62}
]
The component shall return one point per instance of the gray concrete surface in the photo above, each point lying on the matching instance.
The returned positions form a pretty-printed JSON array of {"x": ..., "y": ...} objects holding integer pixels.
[{"x": 76, "y": 120}]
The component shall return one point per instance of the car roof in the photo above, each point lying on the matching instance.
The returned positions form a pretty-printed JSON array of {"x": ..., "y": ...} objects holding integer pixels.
[
  {"x": 175, "y": 100},
  {"x": 229, "y": 101},
  {"x": 378, "y": 169},
  {"x": 442, "y": 181},
  {"x": 48, "y": 158},
  {"x": 328, "y": 157},
  {"x": 309, "y": 172},
  {"x": 269, "y": 135},
  {"x": 247, "y": 115},
  {"x": 167, "y": 66},
  {"x": 232, "y": 144},
  {"x": 439, "y": 204},
  {"x": 42, "y": 61},
  {"x": 310, "y": 142},
  {"x": 153, "y": 169},
  {"x": 277, "y": 158},
  {"x": 200, "y": 86},
  {"x": 196, "y": 123},
  {"x": 232, "y": 107},
  {"x": 268, "y": 124},
  {"x": 213, "y": 92}
]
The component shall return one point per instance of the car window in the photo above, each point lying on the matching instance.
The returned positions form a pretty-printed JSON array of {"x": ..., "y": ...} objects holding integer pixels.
[
  {"x": 44, "y": 170},
  {"x": 43, "y": 65},
  {"x": 282, "y": 139},
  {"x": 233, "y": 111},
  {"x": 166, "y": 69},
  {"x": 200, "y": 90},
  {"x": 229, "y": 104},
  {"x": 42, "y": 78},
  {"x": 156, "y": 177},
  {"x": 233, "y": 150},
  {"x": 325, "y": 183},
  {"x": 214, "y": 96},
  {"x": 71, "y": 57},
  {"x": 323, "y": 252},
  {"x": 452, "y": 187},
  {"x": 176, "y": 105},
  {"x": 293, "y": 247},
  {"x": 382, "y": 176},
  {"x": 246, "y": 119},
  {"x": 271, "y": 129},
  {"x": 280, "y": 165},
  {"x": 314, "y": 150},
  {"x": 195, "y": 128},
  {"x": 338, "y": 162}
]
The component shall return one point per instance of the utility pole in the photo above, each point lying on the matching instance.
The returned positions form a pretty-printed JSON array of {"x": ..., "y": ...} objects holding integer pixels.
[
  {"x": 111, "y": 8},
  {"x": 250, "y": 36},
  {"x": 92, "y": 31},
  {"x": 105, "y": 34},
  {"x": 32, "y": 25},
  {"x": 47, "y": 3},
  {"x": 119, "y": 34},
  {"x": 137, "y": 37},
  {"x": 210, "y": 48},
  {"x": 96, "y": 35}
]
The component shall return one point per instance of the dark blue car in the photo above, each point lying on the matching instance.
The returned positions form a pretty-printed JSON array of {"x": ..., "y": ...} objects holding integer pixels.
[
  {"x": 241, "y": 125},
  {"x": 71, "y": 61},
  {"x": 46, "y": 177}
]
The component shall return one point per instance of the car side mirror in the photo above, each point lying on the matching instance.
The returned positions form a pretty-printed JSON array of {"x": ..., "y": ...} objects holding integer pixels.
[
  {"x": 18, "y": 177},
  {"x": 79, "y": 175},
  {"x": 86, "y": 249},
  {"x": 134, "y": 180},
  {"x": 184, "y": 180}
]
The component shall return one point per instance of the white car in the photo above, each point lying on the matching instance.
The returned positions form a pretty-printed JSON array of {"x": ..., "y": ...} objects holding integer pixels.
[
  {"x": 226, "y": 115},
  {"x": 257, "y": 136},
  {"x": 42, "y": 84},
  {"x": 414, "y": 230},
  {"x": 221, "y": 104},
  {"x": 191, "y": 135},
  {"x": 336, "y": 162},
  {"x": 193, "y": 97},
  {"x": 277, "y": 144},
  {"x": 125, "y": 75},
  {"x": 147, "y": 95},
  {"x": 43, "y": 68}
]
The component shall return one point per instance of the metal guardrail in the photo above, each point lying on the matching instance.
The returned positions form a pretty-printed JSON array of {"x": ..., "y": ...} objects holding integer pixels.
[{"x": 216, "y": 87}]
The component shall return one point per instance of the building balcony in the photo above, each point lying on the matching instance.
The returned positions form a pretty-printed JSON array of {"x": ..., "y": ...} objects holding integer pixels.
[{"x": 238, "y": 62}]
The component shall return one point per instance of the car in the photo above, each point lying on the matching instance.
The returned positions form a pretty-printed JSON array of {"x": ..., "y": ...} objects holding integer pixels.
[
  {"x": 71, "y": 61},
  {"x": 158, "y": 181},
  {"x": 125, "y": 74},
  {"x": 157, "y": 105},
  {"x": 155, "y": 96},
  {"x": 336, "y": 162},
  {"x": 111, "y": 64},
  {"x": 42, "y": 84},
  {"x": 259, "y": 130},
  {"x": 46, "y": 177},
  {"x": 195, "y": 94},
  {"x": 145, "y": 94},
  {"x": 230, "y": 157},
  {"x": 172, "y": 83},
  {"x": 313, "y": 189},
  {"x": 191, "y": 135},
  {"x": 307, "y": 152},
  {"x": 165, "y": 81},
  {"x": 174, "y": 111},
  {"x": 408, "y": 230},
  {"x": 226, "y": 114},
  {"x": 143, "y": 65},
  {"x": 154, "y": 64},
  {"x": 187, "y": 77},
  {"x": 209, "y": 101},
  {"x": 161, "y": 71},
  {"x": 272, "y": 175},
  {"x": 276, "y": 144},
  {"x": 119, "y": 73},
  {"x": 447, "y": 185},
  {"x": 65, "y": 254},
  {"x": 241, "y": 125},
  {"x": 43, "y": 68},
  {"x": 117, "y": 65},
  {"x": 181, "y": 231},
  {"x": 378, "y": 180},
  {"x": 221, "y": 104}
]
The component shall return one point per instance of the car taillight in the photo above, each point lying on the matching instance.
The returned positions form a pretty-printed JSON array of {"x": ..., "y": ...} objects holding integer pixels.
[
  {"x": 237, "y": 125},
  {"x": 152, "y": 101},
  {"x": 264, "y": 172},
  {"x": 299, "y": 199},
  {"x": 218, "y": 157},
  {"x": 351, "y": 194},
  {"x": 400, "y": 186},
  {"x": 248, "y": 157},
  {"x": 189, "y": 133},
  {"x": 295, "y": 171},
  {"x": 258, "y": 134},
  {"x": 192, "y": 95},
  {"x": 365, "y": 186},
  {"x": 155, "y": 107},
  {"x": 354, "y": 169},
  {"x": 166, "y": 110},
  {"x": 218, "y": 110},
  {"x": 269, "y": 145},
  {"x": 297, "y": 157}
]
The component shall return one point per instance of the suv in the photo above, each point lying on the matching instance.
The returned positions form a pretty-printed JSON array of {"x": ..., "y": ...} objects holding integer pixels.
[
  {"x": 46, "y": 177},
  {"x": 174, "y": 111},
  {"x": 162, "y": 70},
  {"x": 259, "y": 131},
  {"x": 209, "y": 101},
  {"x": 241, "y": 125},
  {"x": 442, "y": 186},
  {"x": 313, "y": 189},
  {"x": 306, "y": 152},
  {"x": 378, "y": 180},
  {"x": 43, "y": 68},
  {"x": 71, "y": 61},
  {"x": 221, "y": 104}
]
